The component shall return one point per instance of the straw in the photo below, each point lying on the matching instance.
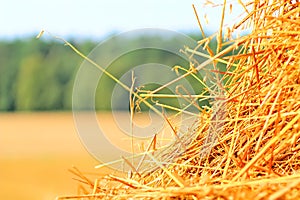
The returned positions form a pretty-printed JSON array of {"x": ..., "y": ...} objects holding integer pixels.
[{"x": 252, "y": 150}]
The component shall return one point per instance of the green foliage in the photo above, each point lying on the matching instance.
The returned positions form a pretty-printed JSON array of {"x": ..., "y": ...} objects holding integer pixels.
[
  {"x": 36, "y": 75},
  {"x": 39, "y": 74},
  {"x": 124, "y": 64}
]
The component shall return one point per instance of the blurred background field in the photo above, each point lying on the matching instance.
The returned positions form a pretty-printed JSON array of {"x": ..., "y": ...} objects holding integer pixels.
[
  {"x": 38, "y": 138},
  {"x": 37, "y": 149}
]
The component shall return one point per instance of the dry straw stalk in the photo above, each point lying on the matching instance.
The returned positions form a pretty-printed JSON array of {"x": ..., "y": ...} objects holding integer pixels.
[{"x": 256, "y": 154}]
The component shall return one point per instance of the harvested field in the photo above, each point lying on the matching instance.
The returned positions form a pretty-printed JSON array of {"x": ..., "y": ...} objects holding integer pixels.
[{"x": 37, "y": 149}]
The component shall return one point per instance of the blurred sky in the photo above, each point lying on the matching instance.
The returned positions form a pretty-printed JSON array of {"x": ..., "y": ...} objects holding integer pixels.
[{"x": 97, "y": 18}]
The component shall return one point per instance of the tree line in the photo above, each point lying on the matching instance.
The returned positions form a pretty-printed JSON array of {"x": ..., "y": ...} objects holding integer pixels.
[{"x": 38, "y": 75}]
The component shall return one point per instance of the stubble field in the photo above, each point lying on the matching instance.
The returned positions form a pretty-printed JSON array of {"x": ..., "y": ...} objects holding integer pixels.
[{"x": 37, "y": 149}]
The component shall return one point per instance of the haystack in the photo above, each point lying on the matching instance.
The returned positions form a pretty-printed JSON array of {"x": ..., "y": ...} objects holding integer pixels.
[{"x": 254, "y": 153}]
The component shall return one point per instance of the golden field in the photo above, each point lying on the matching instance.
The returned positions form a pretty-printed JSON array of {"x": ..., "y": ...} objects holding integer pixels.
[{"x": 37, "y": 149}]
